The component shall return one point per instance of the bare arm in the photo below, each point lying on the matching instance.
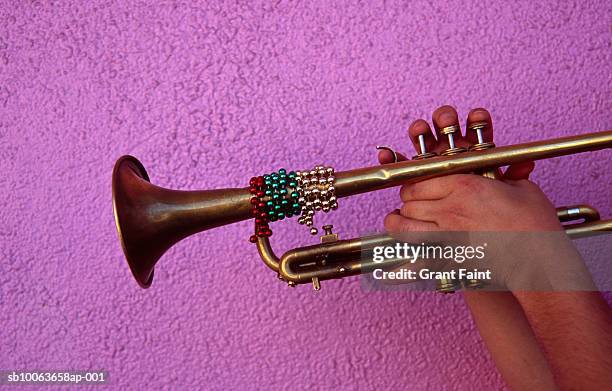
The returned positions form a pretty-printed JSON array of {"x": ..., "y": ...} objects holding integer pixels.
[
  {"x": 575, "y": 330},
  {"x": 510, "y": 340}
]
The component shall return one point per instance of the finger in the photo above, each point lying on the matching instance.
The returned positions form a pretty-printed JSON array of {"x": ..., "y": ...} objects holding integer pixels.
[
  {"x": 479, "y": 115},
  {"x": 395, "y": 223},
  {"x": 519, "y": 171},
  {"x": 432, "y": 189},
  {"x": 418, "y": 128},
  {"x": 444, "y": 117},
  {"x": 421, "y": 210},
  {"x": 386, "y": 157}
]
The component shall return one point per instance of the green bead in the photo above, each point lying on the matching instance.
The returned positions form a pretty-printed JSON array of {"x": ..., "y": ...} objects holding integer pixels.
[
  {"x": 283, "y": 191},
  {"x": 289, "y": 214},
  {"x": 281, "y": 215},
  {"x": 292, "y": 174},
  {"x": 296, "y": 205},
  {"x": 277, "y": 207},
  {"x": 275, "y": 196},
  {"x": 282, "y": 171},
  {"x": 270, "y": 203},
  {"x": 284, "y": 202},
  {"x": 271, "y": 213},
  {"x": 292, "y": 184},
  {"x": 275, "y": 185},
  {"x": 268, "y": 192},
  {"x": 266, "y": 177},
  {"x": 295, "y": 194},
  {"x": 282, "y": 182},
  {"x": 268, "y": 182}
]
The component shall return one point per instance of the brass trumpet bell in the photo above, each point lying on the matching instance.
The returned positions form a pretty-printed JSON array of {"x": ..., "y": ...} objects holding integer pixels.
[
  {"x": 151, "y": 219},
  {"x": 130, "y": 187}
]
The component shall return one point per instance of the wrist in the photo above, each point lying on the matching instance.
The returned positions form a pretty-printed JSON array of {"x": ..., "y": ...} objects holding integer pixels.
[{"x": 548, "y": 261}]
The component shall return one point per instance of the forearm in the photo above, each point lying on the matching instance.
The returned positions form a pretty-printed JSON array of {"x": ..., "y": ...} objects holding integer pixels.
[
  {"x": 575, "y": 331},
  {"x": 569, "y": 317},
  {"x": 510, "y": 340}
]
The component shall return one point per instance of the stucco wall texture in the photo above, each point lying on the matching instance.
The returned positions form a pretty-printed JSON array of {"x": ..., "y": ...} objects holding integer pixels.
[{"x": 208, "y": 94}]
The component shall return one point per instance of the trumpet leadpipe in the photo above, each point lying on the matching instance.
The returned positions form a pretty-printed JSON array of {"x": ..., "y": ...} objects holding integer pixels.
[{"x": 364, "y": 180}]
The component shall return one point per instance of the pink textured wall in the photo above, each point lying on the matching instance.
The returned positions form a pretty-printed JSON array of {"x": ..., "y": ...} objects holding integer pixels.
[{"x": 207, "y": 95}]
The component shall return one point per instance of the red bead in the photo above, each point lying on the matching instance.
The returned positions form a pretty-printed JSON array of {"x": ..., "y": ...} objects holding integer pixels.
[
  {"x": 263, "y": 215},
  {"x": 255, "y": 212},
  {"x": 253, "y": 239},
  {"x": 254, "y": 200},
  {"x": 268, "y": 232},
  {"x": 253, "y": 190},
  {"x": 258, "y": 221},
  {"x": 260, "y": 181},
  {"x": 260, "y": 193},
  {"x": 253, "y": 181},
  {"x": 261, "y": 205}
]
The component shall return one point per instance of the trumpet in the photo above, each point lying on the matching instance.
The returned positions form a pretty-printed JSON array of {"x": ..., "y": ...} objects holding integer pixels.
[{"x": 151, "y": 219}]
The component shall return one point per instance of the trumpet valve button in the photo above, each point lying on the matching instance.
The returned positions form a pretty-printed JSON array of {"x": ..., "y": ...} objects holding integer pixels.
[
  {"x": 447, "y": 286},
  {"x": 453, "y": 151},
  {"x": 473, "y": 284},
  {"x": 481, "y": 146},
  {"x": 450, "y": 129},
  {"x": 478, "y": 127},
  {"x": 425, "y": 155}
]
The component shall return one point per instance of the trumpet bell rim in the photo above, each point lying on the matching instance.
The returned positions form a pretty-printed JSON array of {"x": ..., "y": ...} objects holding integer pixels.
[{"x": 128, "y": 162}]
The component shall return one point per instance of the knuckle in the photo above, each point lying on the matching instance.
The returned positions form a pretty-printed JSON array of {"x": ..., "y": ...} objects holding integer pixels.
[
  {"x": 406, "y": 209},
  {"x": 390, "y": 222},
  {"x": 405, "y": 193},
  {"x": 412, "y": 192},
  {"x": 459, "y": 210},
  {"x": 465, "y": 182},
  {"x": 453, "y": 220}
]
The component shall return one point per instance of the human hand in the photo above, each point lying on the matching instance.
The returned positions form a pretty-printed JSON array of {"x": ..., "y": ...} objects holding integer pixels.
[
  {"x": 483, "y": 207},
  {"x": 466, "y": 202}
]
